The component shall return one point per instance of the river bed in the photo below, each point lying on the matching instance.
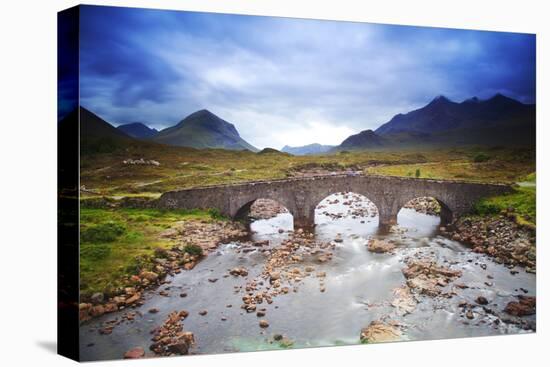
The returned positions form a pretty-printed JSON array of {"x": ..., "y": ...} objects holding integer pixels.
[{"x": 358, "y": 288}]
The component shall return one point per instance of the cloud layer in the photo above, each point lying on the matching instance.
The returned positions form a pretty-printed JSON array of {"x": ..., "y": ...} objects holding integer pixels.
[{"x": 286, "y": 81}]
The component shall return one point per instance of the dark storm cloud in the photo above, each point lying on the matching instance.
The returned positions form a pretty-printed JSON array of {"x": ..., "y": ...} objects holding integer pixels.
[{"x": 287, "y": 81}]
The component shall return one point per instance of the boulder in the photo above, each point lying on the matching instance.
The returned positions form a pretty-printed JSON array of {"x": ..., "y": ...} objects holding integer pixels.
[
  {"x": 274, "y": 275},
  {"x": 97, "y": 298},
  {"x": 133, "y": 299},
  {"x": 110, "y": 307},
  {"x": 149, "y": 275},
  {"x": 181, "y": 348},
  {"x": 97, "y": 311},
  {"x": 403, "y": 300},
  {"x": 134, "y": 353},
  {"x": 380, "y": 246},
  {"x": 482, "y": 300},
  {"x": 524, "y": 307},
  {"x": 239, "y": 271},
  {"x": 379, "y": 332}
]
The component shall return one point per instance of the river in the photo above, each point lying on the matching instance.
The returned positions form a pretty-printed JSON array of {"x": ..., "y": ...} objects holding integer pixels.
[{"x": 359, "y": 287}]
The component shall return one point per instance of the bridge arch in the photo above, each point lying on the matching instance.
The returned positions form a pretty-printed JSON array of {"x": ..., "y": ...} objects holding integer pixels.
[
  {"x": 244, "y": 212},
  {"x": 427, "y": 205},
  {"x": 366, "y": 207},
  {"x": 241, "y": 207}
]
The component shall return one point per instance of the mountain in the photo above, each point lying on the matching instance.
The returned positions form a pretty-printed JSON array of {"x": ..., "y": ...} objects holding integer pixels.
[
  {"x": 138, "y": 130},
  {"x": 442, "y": 115},
  {"x": 97, "y": 135},
  {"x": 499, "y": 120},
  {"x": 307, "y": 149},
  {"x": 203, "y": 129},
  {"x": 366, "y": 139}
]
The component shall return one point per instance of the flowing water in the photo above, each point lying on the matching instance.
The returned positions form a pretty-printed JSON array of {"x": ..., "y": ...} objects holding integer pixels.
[{"x": 359, "y": 289}]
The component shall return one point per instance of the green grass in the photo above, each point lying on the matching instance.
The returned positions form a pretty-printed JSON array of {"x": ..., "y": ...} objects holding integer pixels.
[
  {"x": 118, "y": 243},
  {"x": 104, "y": 232},
  {"x": 522, "y": 202},
  {"x": 105, "y": 174},
  {"x": 532, "y": 177}
]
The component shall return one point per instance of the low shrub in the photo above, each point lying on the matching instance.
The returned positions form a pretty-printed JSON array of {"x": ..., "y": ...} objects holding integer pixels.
[
  {"x": 481, "y": 157},
  {"x": 215, "y": 214},
  {"x": 105, "y": 232},
  {"x": 193, "y": 250},
  {"x": 95, "y": 252},
  {"x": 486, "y": 207}
]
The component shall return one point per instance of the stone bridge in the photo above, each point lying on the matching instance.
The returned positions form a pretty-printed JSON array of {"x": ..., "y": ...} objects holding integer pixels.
[{"x": 301, "y": 195}]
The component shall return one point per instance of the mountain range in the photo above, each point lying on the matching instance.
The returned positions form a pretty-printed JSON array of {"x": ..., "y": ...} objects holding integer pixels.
[
  {"x": 307, "y": 149},
  {"x": 201, "y": 129},
  {"x": 499, "y": 120}
]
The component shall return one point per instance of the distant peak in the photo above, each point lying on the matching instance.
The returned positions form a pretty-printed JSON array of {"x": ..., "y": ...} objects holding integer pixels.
[
  {"x": 501, "y": 98},
  {"x": 471, "y": 100},
  {"x": 440, "y": 98},
  {"x": 204, "y": 111},
  {"x": 200, "y": 116}
]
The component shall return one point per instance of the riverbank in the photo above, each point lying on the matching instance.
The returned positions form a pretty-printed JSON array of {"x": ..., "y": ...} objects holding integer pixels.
[
  {"x": 503, "y": 227},
  {"x": 128, "y": 251},
  {"x": 500, "y": 237}
]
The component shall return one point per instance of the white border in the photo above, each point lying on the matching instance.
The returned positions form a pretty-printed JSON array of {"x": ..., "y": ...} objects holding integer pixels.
[{"x": 28, "y": 166}]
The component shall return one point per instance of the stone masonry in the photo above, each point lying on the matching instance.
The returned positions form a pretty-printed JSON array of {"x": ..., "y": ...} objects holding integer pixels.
[{"x": 301, "y": 195}]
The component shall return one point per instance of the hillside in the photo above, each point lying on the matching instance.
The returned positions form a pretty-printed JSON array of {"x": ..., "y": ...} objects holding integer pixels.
[
  {"x": 365, "y": 139},
  {"x": 203, "y": 129},
  {"x": 98, "y": 136}
]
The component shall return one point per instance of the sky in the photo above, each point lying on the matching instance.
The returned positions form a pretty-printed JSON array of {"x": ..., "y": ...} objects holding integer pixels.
[{"x": 284, "y": 81}]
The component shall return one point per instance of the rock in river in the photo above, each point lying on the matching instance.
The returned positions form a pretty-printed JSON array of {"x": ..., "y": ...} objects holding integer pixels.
[
  {"x": 403, "y": 300},
  {"x": 482, "y": 300},
  {"x": 379, "y": 332},
  {"x": 524, "y": 307},
  {"x": 239, "y": 271},
  {"x": 134, "y": 353},
  {"x": 380, "y": 246}
]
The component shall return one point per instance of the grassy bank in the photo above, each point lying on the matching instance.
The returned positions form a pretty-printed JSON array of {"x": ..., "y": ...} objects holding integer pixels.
[
  {"x": 521, "y": 204},
  {"x": 118, "y": 243}
]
